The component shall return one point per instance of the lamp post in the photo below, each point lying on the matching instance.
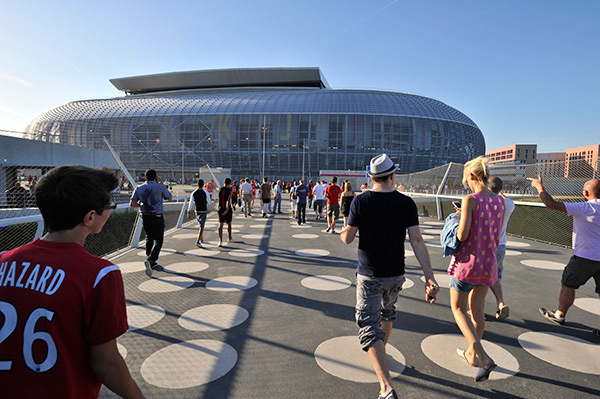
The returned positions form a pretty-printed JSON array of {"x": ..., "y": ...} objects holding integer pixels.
[
  {"x": 264, "y": 131},
  {"x": 182, "y": 164},
  {"x": 303, "y": 147}
]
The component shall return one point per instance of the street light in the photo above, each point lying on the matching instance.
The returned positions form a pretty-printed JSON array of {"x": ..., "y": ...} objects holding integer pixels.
[{"x": 264, "y": 130}]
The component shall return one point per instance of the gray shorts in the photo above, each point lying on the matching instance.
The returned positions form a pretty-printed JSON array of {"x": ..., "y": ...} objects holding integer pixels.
[
  {"x": 500, "y": 254},
  {"x": 333, "y": 211},
  {"x": 375, "y": 301}
]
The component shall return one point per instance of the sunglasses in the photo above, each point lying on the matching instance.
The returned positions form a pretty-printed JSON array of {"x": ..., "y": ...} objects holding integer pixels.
[{"x": 111, "y": 206}]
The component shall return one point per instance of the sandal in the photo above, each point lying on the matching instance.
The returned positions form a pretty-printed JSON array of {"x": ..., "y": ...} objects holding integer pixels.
[
  {"x": 463, "y": 353},
  {"x": 502, "y": 313},
  {"x": 484, "y": 372}
]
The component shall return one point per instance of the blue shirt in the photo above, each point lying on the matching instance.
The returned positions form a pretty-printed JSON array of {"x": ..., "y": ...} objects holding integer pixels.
[{"x": 151, "y": 195}]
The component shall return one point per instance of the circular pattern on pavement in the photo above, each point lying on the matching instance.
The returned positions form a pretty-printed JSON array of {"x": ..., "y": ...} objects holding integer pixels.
[
  {"x": 231, "y": 283},
  {"x": 142, "y": 316},
  {"x": 185, "y": 236},
  {"x": 166, "y": 284},
  {"x": 301, "y": 226},
  {"x": 543, "y": 264},
  {"x": 314, "y": 252},
  {"x": 255, "y": 236},
  {"x": 326, "y": 283},
  {"x": 408, "y": 283},
  {"x": 189, "y": 364},
  {"x": 163, "y": 252},
  {"x": 517, "y": 244},
  {"x": 202, "y": 252},
  {"x": 441, "y": 349},
  {"x": 305, "y": 236},
  {"x": 131, "y": 267},
  {"x": 343, "y": 357},
  {"x": 443, "y": 279},
  {"x": 432, "y": 231},
  {"x": 225, "y": 231},
  {"x": 512, "y": 252},
  {"x": 185, "y": 267},
  {"x": 435, "y": 223},
  {"x": 122, "y": 350},
  {"x": 246, "y": 253},
  {"x": 427, "y": 237},
  {"x": 558, "y": 349},
  {"x": 591, "y": 305},
  {"x": 408, "y": 252},
  {"x": 213, "y": 317}
]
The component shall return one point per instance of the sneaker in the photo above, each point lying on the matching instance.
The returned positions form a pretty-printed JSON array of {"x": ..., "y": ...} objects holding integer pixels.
[
  {"x": 333, "y": 232},
  {"x": 199, "y": 244},
  {"x": 551, "y": 315},
  {"x": 391, "y": 395},
  {"x": 232, "y": 238},
  {"x": 220, "y": 243},
  {"x": 148, "y": 265},
  {"x": 596, "y": 332},
  {"x": 328, "y": 229}
]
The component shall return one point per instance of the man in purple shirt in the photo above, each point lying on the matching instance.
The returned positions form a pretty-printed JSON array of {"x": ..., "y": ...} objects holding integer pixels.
[{"x": 585, "y": 262}]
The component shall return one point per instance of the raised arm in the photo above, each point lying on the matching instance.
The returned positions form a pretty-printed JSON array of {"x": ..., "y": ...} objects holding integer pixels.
[{"x": 545, "y": 197}]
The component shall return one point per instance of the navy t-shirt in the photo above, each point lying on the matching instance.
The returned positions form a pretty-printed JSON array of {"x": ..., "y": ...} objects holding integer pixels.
[
  {"x": 382, "y": 219},
  {"x": 302, "y": 192}
]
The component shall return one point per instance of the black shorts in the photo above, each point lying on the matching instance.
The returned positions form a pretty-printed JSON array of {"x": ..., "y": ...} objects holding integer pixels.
[
  {"x": 579, "y": 270},
  {"x": 225, "y": 217}
]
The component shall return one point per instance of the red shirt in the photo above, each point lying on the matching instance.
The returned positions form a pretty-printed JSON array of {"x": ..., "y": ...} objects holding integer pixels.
[
  {"x": 210, "y": 187},
  {"x": 57, "y": 300},
  {"x": 332, "y": 192}
]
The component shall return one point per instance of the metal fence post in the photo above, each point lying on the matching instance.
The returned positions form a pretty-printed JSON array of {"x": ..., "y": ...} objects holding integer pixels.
[
  {"x": 182, "y": 214},
  {"x": 438, "y": 199},
  {"x": 137, "y": 232},
  {"x": 40, "y": 229}
]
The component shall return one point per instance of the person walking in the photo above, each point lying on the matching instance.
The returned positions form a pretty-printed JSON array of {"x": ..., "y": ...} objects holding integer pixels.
[
  {"x": 225, "y": 210},
  {"x": 201, "y": 198},
  {"x": 473, "y": 266},
  {"x": 495, "y": 186},
  {"x": 320, "y": 201},
  {"x": 246, "y": 189},
  {"x": 345, "y": 201},
  {"x": 71, "y": 302},
  {"x": 265, "y": 196},
  {"x": 332, "y": 193},
  {"x": 382, "y": 216},
  {"x": 149, "y": 197},
  {"x": 294, "y": 200},
  {"x": 235, "y": 189},
  {"x": 302, "y": 194},
  {"x": 585, "y": 262},
  {"x": 277, "y": 197}
]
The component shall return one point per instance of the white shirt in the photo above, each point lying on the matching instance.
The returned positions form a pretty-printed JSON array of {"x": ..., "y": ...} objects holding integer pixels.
[
  {"x": 509, "y": 207},
  {"x": 319, "y": 192},
  {"x": 246, "y": 189},
  {"x": 586, "y": 228}
]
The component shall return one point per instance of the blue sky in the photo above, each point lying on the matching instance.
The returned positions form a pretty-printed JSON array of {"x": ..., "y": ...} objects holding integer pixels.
[{"x": 523, "y": 71}]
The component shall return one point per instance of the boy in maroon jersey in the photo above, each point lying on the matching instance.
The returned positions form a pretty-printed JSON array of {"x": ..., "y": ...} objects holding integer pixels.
[{"x": 62, "y": 308}]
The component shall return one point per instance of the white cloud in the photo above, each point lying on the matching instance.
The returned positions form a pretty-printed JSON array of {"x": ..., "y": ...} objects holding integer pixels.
[
  {"x": 15, "y": 79},
  {"x": 12, "y": 112}
]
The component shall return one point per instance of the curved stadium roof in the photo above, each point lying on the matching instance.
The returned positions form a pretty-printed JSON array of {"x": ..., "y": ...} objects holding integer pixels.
[{"x": 259, "y": 101}]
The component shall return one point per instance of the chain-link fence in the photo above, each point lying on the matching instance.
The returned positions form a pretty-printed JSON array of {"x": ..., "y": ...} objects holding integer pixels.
[
  {"x": 435, "y": 189},
  {"x": 22, "y": 164}
]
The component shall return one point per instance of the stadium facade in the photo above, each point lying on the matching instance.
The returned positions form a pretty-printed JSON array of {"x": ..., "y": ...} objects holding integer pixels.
[{"x": 280, "y": 120}]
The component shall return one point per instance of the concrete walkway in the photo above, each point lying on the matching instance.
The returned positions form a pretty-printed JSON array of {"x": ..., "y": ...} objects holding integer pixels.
[{"x": 271, "y": 315}]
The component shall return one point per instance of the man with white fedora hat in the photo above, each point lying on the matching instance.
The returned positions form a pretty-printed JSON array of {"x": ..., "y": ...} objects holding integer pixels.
[{"x": 383, "y": 215}]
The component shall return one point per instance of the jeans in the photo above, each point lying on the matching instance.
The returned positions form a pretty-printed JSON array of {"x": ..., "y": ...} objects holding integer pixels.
[
  {"x": 154, "y": 226},
  {"x": 277, "y": 204},
  {"x": 301, "y": 212},
  {"x": 375, "y": 301}
]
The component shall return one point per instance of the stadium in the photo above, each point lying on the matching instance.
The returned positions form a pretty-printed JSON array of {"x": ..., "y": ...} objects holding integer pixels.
[{"x": 274, "y": 122}]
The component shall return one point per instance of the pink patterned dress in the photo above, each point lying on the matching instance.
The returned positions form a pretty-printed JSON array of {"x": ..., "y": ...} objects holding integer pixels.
[{"x": 475, "y": 259}]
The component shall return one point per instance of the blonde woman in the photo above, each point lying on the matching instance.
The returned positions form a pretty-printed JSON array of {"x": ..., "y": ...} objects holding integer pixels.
[
  {"x": 473, "y": 267},
  {"x": 345, "y": 201}
]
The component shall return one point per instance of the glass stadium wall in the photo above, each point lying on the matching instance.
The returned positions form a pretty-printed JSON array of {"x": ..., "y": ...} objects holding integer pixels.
[{"x": 292, "y": 143}]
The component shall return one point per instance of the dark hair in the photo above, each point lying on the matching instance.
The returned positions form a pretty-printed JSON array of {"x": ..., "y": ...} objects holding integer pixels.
[
  {"x": 66, "y": 193},
  {"x": 333, "y": 180},
  {"x": 200, "y": 183},
  {"x": 382, "y": 179},
  {"x": 150, "y": 175},
  {"x": 495, "y": 184},
  {"x": 227, "y": 181}
]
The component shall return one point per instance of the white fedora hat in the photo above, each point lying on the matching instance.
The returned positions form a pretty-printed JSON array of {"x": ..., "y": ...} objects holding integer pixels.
[{"x": 381, "y": 165}]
